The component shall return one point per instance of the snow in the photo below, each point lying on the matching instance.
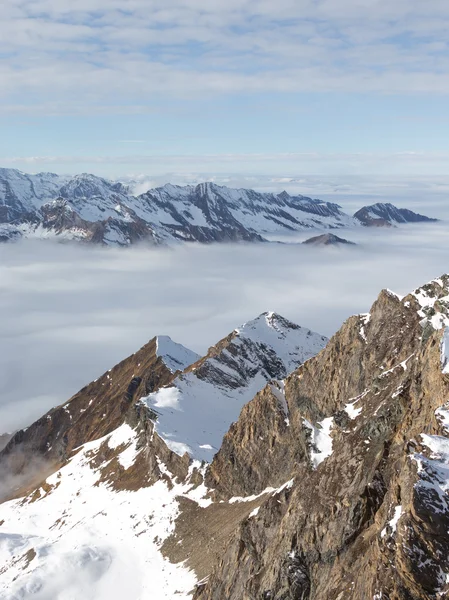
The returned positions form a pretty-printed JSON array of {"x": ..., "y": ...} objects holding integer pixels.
[
  {"x": 168, "y": 210},
  {"x": 402, "y": 365},
  {"x": 269, "y": 490},
  {"x": 175, "y": 356},
  {"x": 433, "y": 301},
  {"x": 90, "y": 541},
  {"x": 393, "y": 522},
  {"x": 352, "y": 412},
  {"x": 320, "y": 439},
  {"x": 445, "y": 351},
  {"x": 365, "y": 319},
  {"x": 196, "y": 410}
]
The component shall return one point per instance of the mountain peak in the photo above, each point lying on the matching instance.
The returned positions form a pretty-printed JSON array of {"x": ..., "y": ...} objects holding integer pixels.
[
  {"x": 175, "y": 356},
  {"x": 212, "y": 391}
]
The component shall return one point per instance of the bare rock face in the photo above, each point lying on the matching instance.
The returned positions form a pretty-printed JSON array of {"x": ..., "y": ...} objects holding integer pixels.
[{"x": 358, "y": 432}]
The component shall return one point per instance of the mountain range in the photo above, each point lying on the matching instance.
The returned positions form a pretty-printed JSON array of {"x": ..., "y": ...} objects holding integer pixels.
[
  {"x": 88, "y": 208},
  {"x": 279, "y": 466}
]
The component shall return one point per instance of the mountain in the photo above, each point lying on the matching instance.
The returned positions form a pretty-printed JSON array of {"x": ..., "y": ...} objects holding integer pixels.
[
  {"x": 102, "y": 488},
  {"x": 88, "y": 208},
  {"x": 385, "y": 215},
  {"x": 328, "y": 239},
  {"x": 330, "y": 483},
  {"x": 214, "y": 389}
]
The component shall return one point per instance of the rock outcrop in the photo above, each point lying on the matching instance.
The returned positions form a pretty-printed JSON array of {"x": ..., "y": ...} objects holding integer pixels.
[
  {"x": 359, "y": 433},
  {"x": 328, "y": 239}
]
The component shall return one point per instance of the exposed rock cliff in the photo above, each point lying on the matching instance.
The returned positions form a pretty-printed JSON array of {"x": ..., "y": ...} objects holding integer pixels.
[{"x": 359, "y": 431}]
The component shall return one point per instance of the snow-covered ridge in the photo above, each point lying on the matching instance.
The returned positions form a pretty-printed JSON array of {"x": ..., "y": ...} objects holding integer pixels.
[
  {"x": 196, "y": 410},
  {"x": 176, "y": 356},
  {"x": 205, "y": 212},
  {"x": 82, "y": 539}
]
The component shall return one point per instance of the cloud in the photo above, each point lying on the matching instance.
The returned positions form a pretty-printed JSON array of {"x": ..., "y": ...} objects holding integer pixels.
[
  {"x": 143, "y": 51},
  {"x": 71, "y": 313},
  {"x": 362, "y": 163}
]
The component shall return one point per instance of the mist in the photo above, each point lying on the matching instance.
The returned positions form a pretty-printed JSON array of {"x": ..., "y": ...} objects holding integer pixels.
[{"x": 71, "y": 312}]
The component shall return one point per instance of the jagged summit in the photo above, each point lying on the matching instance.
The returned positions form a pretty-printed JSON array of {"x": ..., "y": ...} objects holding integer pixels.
[
  {"x": 195, "y": 410},
  {"x": 107, "y": 212}
]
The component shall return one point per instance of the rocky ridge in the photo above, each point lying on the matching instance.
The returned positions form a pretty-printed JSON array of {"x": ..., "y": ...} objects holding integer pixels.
[
  {"x": 387, "y": 215},
  {"x": 91, "y": 209},
  {"x": 331, "y": 484}
]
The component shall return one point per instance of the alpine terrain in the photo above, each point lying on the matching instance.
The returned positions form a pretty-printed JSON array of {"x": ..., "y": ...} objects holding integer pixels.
[
  {"x": 88, "y": 208},
  {"x": 330, "y": 483},
  {"x": 386, "y": 215}
]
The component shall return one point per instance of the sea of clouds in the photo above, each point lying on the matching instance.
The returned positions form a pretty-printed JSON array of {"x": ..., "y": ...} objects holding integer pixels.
[{"x": 69, "y": 312}]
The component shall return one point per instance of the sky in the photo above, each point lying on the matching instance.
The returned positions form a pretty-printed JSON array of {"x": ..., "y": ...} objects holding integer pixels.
[
  {"x": 73, "y": 312},
  {"x": 207, "y": 88}
]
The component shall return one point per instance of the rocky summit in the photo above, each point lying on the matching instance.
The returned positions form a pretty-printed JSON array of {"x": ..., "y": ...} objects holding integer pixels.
[
  {"x": 90, "y": 209},
  {"x": 330, "y": 481}
]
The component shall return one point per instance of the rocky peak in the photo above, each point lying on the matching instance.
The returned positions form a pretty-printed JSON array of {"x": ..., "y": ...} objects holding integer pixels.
[
  {"x": 386, "y": 214},
  {"x": 327, "y": 239},
  {"x": 196, "y": 408},
  {"x": 97, "y": 409},
  {"x": 331, "y": 483},
  {"x": 360, "y": 433}
]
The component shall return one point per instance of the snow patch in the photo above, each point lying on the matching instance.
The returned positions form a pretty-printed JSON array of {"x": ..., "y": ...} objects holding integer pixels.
[
  {"x": 320, "y": 439},
  {"x": 393, "y": 522}
]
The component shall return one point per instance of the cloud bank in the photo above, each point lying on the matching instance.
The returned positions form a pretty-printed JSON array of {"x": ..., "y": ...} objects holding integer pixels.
[{"x": 70, "y": 313}]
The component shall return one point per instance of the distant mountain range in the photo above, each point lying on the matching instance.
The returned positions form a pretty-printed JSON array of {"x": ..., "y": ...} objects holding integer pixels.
[{"x": 88, "y": 208}]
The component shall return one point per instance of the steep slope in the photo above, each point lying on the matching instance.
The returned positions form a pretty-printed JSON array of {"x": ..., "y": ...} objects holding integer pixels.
[
  {"x": 101, "y": 491},
  {"x": 385, "y": 215},
  {"x": 21, "y": 194},
  {"x": 196, "y": 409},
  {"x": 97, "y": 409},
  {"x": 359, "y": 434}
]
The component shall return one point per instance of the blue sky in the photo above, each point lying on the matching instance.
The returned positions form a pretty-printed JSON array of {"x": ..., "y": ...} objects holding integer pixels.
[{"x": 292, "y": 87}]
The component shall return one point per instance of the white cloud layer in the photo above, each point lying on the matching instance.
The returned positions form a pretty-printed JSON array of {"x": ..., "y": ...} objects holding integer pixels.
[
  {"x": 70, "y": 313},
  {"x": 64, "y": 55}
]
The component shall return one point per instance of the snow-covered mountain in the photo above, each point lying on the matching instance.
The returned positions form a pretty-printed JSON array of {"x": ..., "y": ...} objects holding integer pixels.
[
  {"x": 385, "y": 215},
  {"x": 92, "y": 209},
  {"x": 107, "y": 487},
  {"x": 214, "y": 389},
  {"x": 331, "y": 482}
]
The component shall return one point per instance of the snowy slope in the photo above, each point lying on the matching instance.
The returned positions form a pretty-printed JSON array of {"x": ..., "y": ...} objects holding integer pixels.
[
  {"x": 197, "y": 409},
  {"x": 21, "y": 193},
  {"x": 174, "y": 355},
  {"x": 78, "y": 538}
]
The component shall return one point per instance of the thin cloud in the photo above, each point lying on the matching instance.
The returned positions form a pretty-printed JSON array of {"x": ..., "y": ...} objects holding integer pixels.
[{"x": 95, "y": 49}]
